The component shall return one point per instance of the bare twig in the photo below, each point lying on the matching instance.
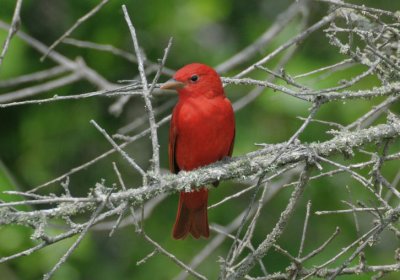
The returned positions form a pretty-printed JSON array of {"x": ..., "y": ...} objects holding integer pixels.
[
  {"x": 281, "y": 22},
  {"x": 34, "y": 77},
  {"x": 115, "y": 51},
  {"x": 303, "y": 236},
  {"x": 81, "y": 20},
  {"x": 86, "y": 72},
  {"x": 118, "y": 148},
  {"x": 264, "y": 247},
  {"x": 15, "y": 22},
  {"x": 147, "y": 93},
  {"x": 362, "y": 8},
  {"x": 96, "y": 159},
  {"x": 78, "y": 241},
  {"x": 175, "y": 259},
  {"x": 327, "y": 19},
  {"x": 31, "y": 91}
]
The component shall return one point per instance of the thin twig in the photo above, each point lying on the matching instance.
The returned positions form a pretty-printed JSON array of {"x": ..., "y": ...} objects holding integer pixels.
[
  {"x": 34, "y": 90},
  {"x": 81, "y": 20},
  {"x": 325, "y": 20},
  {"x": 173, "y": 258},
  {"x": 361, "y": 8},
  {"x": 34, "y": 77},
  {"x": 102, "y": 156},
  {"x": 277, "y": 231},
  {"x": 78, "y": 241},
  {"x": 322, "y": 247},
  {"x": 115, "y": 51},
  {"x": 15, "y": 22},
  {"x": 329, "y": 67},
  {"x": 303, "y": 236},
  {"x": 78, "y": 67},
  {"x": 247, "y": 53},
  {"x": 119, "y": 149},
  {"x": 147, "y": 92}
]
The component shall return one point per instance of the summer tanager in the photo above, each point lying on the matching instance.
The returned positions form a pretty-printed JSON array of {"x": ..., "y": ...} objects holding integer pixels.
[{"x": 202, "y": 131}]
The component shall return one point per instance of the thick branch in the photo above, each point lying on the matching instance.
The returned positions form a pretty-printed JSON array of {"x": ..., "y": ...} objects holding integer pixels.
[{"x": 248, "y": 165}]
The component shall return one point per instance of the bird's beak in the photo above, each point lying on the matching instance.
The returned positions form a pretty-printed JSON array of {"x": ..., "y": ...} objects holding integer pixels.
[{"x": 172, "y": 84}]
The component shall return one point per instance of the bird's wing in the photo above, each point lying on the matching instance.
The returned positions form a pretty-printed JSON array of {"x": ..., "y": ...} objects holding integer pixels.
[
  {"x": 229, "y": 153},
  {"x": 173, "y": 135},
  {"x": 232, "y": 143}
]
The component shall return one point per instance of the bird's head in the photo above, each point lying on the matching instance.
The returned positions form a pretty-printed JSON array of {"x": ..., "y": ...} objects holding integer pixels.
[{"x": 196, "y": 79}]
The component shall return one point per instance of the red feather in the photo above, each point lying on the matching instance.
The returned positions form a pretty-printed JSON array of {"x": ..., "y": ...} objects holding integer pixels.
[{"x": 202, "y": 131}]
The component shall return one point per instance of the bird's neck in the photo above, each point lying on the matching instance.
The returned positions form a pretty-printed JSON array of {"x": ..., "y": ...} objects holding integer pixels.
[{"x": 209, "y": 94}]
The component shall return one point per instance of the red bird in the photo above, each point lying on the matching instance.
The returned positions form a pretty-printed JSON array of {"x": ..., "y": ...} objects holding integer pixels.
[{"x": 202, "y": 131}]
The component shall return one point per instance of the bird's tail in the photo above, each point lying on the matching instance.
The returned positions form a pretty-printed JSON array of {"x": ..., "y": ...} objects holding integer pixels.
[{"x": 192, "y": 215}]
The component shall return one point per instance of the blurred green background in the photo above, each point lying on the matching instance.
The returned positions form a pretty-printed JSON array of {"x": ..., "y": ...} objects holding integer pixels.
[{"x": 41, "y": 142}]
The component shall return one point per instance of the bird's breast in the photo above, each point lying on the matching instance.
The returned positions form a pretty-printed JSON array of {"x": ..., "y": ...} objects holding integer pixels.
[{"x": 205, "y": 131}]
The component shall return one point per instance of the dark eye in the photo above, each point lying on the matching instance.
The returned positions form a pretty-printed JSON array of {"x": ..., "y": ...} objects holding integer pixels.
[{"x": 194, "y": 78}]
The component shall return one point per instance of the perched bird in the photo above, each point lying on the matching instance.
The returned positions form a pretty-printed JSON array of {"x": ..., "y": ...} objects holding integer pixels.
[{"x": 202, "y": 131}]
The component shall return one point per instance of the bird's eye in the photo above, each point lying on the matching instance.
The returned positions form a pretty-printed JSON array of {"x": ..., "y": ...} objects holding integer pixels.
[{"x": 194, "y": 78}]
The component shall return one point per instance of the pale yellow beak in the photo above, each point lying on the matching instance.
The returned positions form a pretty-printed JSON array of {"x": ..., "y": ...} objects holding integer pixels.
[{"x": 172, "y": 84}]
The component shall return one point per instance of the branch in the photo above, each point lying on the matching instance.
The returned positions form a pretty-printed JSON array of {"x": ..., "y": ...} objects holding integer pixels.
[
  {"x": 73, "y": 27},
  {"x": 248, "y": 165},
  {"x": 247, "y": 53},
  {"x": 147, "y": 93},
  {"x": 15, "y": 22},
  {"x": 277, "y": 231},
  {"x": 88, "y": 73}
]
